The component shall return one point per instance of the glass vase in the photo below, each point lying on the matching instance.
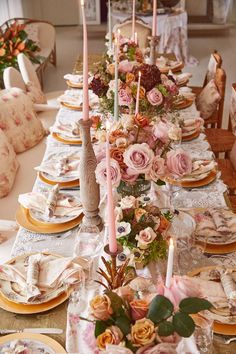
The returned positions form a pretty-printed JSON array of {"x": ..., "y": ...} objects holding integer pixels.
[{"x": 136, "y": 189}]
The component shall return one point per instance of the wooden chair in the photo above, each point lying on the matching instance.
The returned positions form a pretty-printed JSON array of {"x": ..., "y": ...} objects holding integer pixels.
[
  {"x": 232, "y": 199},
  {"x": 142, "y": 29},
  {"x": 214, "y": 63},
  {"x": 228, "y": 170},
  {"x": 222, "y": 140}
]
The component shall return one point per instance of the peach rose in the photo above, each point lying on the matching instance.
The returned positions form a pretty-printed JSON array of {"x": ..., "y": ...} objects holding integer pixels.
[
  {"x": 145, "y": 237},
  {"x": 115, "y": 134},
  {"x": 129, "y": 78},
  {"x": 143, "y": 332},
  {"x": 125, "y": 292},
  {"x": 117, "y": 154},
  {"x": 101, "y": 307},
  {"x": 158, "y": 169},
  {"x": 141, "y": 120},
  {"x": 139, "y": 309},
  {"x": 111, "y": 69},
  {"x": 179, "y": 162},
  {"x": 112, "y": 335}
]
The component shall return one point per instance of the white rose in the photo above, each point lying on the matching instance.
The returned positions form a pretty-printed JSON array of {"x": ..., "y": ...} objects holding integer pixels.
[
  {"x": 128, "y": 202},
  {"x": 175, "y": 133},
  {"x": 118, "y": 213},
  {"x": 145, "y": 237},
  {"x": 127, "y": 121}
]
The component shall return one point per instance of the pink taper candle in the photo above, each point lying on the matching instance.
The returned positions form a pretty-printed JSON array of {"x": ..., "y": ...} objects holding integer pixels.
[
  {"x": 170, "y": 263},
  {"x": 85, "y": 66},
  {"x": 133, "y": 20},
  {"x": 137, "y": 95},
  {"x": 154, "y": 18},
  {"x": 110, "y": 204}
]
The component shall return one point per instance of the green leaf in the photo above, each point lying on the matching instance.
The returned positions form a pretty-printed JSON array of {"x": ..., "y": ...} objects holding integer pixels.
[
  {"x": 100, "y": 327},
  {"x": 116, "y": 301},
  {"x": 159, "y": 182},
  {"x": 183, "y": 324},
  {"x": 165, "y": 328},
  {"x": 194, "y": 305},
  {"x": 160, "y": 309},
  {"x": 123, "y": 323}
]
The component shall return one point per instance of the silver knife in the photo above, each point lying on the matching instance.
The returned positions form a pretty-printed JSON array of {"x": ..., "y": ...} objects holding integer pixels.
[{"x": 33, "y": 330}]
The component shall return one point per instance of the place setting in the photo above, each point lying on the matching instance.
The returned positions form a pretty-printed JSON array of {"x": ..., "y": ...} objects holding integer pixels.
[
  {"x": 73, "y": 99},
  {"x": 165, "y": 65},
  {"x": 51, "y": 212}
]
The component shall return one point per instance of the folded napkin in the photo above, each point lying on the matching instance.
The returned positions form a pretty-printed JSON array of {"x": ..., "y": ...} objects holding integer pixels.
[
  {"x": 192, "y": 125},
  {"x": 65, "y": 205},
  {"x": 163, "y": 62},
  {"x": 200, "y": 170},
  {"x": 51, "y": 201},
  {"x": 187, "y": 93},
  {"x": 75, "y": 98},
  {"x": 74, "y": 79},
  {"x": 181, "y": 77},
  {"x": 43, "y": 273},
  {"x": 70, "y": 129},
  {"x": 66, "y": 165}
]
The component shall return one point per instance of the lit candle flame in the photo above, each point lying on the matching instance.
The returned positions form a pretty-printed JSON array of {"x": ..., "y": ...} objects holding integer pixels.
[
  {"x": 82, "y": 2},
  {"x": 171, "y": 242},
  {"x": 139, "y": 74}
]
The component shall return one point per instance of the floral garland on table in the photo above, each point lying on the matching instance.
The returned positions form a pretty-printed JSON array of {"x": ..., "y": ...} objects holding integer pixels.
[
  {"x": 139, "y": 229},
  {"x": 14, "y": 41},
  {"x": 141, "y": 322}
]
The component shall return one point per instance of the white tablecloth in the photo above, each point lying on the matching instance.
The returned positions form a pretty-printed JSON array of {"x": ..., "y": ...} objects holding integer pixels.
[{"x": 173, "y": 31}]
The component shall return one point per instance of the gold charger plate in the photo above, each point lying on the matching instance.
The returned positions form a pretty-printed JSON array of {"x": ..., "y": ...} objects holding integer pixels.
[
  {"x": 183, "y": 104},
  {"x": 64, "y": 141},
  {"x": 75, "y": 108},
  {"x": 54, "y": 345},
  {"x": 192, "y": 184},
  {"x": 73, "y": 85},
  {"x": 70, "y": 184},
  {"x": 192, "y": 136},
  {"x": 218, "y": 327},
  {"x": 24, "y": 219}
]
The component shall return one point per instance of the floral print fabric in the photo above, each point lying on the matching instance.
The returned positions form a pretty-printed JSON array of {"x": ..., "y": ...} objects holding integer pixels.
[{"x": 18, "y": 120}]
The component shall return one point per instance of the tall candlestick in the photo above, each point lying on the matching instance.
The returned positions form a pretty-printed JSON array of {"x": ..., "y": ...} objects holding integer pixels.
[
  {"x": 170, "y": 263},
  {"x": 109, "y": 24},
  {"x": 154, "y": 19},
  {"x": 135, "y": 37},
  {"x": 110, "y": 204},
  {"x": 133, "y": 20},
  {"x": 137, "y": 95},
  {"x": 85, "y": 66},
  {"x": 116, "y": 98}
]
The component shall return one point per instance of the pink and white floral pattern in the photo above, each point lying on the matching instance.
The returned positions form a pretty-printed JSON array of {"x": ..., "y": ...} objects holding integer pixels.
[
  {"x": 36, "y": 95},
  {"x": 8, "y": 165},
  {"x": 18, "y": 120}
]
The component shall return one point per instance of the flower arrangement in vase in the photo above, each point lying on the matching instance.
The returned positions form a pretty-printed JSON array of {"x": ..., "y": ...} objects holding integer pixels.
[
  {"x": 14, "y": 41},
  {"x": 141, "y": 321}
]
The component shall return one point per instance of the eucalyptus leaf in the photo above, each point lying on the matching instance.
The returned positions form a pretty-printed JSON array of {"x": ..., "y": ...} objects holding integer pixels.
[
  {"x": 160, "y": 309},
  {"x": 100, "y": 327},
  {"x": 123, "y": 322},
  {"x": 116, "y": 301},
  {"x": 194, "y": 305},
  {"x": 183, "y": 324},
  {"x": 165, "y": 328}
]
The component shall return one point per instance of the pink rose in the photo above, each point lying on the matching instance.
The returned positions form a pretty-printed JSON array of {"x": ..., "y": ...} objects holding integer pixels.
[
  {"x": 128, "y": 176},
  {"x": 162, "y": 348},
  {"x": 139, "y": 309},
  {"x": 138, "y": 158},
  {"x": 101, "y": 308},
  {"x": 160, "y": 131},
  {"x": 155, "y": 97},
  {"x": 158, "y": 168},
  {"x": 101, "y": 173},
  {"x": 125, "y": 97},
  {"x": 100, "y": 151},
  {"x": 145, "y": 237},
  {"x": 179, "y": 162},
  {"x": 125, "y": 66}
]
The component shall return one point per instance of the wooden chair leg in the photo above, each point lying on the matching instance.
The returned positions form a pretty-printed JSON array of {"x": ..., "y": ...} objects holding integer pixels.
[{"x": 53, "y": 56}]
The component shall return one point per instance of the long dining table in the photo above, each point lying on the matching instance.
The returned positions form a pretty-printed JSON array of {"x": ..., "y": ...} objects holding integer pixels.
[{"x": 67, "y": 315}]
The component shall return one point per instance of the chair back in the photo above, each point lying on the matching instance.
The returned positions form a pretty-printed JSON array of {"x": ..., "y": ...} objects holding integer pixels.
[
  {"x": 220, "y": 81},
  {"x": 12, "y": 78},
  {"x": 215, "y": 62},
  {"x": 27, "y": 70},
  {"x": 142, "y": 29},
  {"x": 232, "y": 110}
]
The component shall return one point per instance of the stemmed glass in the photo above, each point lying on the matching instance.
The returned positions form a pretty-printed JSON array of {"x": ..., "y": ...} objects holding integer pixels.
[{"x": 203, "y": 334}]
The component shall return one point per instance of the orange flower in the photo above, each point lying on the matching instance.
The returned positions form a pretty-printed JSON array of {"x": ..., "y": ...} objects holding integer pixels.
[
  {"x": 112, "y": 335},
  {"x": 142, "y": 92},
  {"x": 164, "y": 224},
  {"x": 115, "y": 134},
  {"x": 129, "y": 78},
  {"x": 117, "y": 154},
  {"x": 2, "y": 52},
  {"x": 101, "y": 307},
  {"x": 96, "y": 121},
  {"x": 141, "y": 121}
]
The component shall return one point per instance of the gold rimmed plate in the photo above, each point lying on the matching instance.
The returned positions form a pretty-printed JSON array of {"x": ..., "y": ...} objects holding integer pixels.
[
  {"x": 68, "y": 141},
  {"x": 218, "y": 327},
  {"x": 194, "y": 184},
  {"x": 173, "y": 68},
  {"x": 192, "y": 136},
  {"x": 70, "y": 106},
  {"x": 74, "y": 85},
  {"x": 25, "y": 220},
  {"x": 46, "y": 179},
  {"x": 36, "y": 342},
  {"x": 185, "y": 103}
]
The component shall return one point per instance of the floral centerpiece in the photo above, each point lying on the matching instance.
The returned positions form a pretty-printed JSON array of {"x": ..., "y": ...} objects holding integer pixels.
[
  {"x": 14, "y": 41},
  {"x": 140, "y": 226},
  {"x": 142, "y": 322},
  {"x": 140, "y": 151}
]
